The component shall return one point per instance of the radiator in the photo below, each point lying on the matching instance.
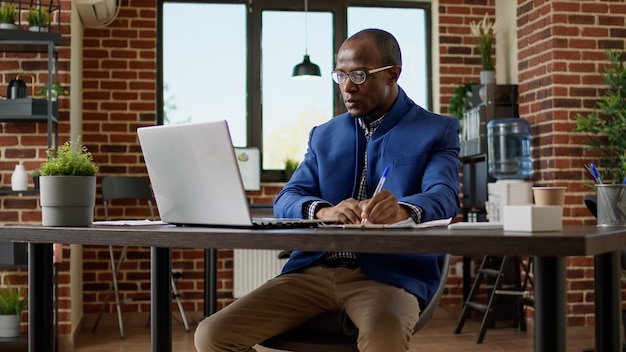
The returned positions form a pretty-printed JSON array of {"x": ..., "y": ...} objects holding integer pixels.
[{"x": 252, "y": 267}]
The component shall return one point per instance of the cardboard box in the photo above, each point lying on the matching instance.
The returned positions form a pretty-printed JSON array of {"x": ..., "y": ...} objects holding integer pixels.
[{"x": 528, "y": 218}]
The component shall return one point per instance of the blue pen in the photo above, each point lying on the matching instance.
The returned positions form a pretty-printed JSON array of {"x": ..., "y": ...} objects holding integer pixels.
[
  {"x": 624, "y": 182},
  {"x": 381, "y": 182},
  {"x": 379, "y": 187},
  {"x": 596, "y": 174}
]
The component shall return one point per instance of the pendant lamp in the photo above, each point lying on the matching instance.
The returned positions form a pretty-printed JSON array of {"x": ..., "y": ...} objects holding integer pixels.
[{"x": 306, "y": 69}]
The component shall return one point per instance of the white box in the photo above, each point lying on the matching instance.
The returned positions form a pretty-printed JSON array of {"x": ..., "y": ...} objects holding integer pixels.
[
  {"x": 528, "y": 218},
  {"x": 507, "y": 192}
]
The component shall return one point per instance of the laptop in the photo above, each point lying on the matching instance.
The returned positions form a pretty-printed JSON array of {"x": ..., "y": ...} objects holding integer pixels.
[{"x": 196, "y": 180}]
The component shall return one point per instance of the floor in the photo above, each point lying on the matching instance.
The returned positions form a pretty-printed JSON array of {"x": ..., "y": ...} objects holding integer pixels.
[{"x": 437, "y": 336}]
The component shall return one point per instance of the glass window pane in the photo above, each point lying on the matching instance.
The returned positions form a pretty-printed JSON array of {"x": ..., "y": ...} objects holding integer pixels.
[
  {"x": 408, "y": 25},
  {"x": 291, "y": 107},
  {"x": 204, "y": 67}
]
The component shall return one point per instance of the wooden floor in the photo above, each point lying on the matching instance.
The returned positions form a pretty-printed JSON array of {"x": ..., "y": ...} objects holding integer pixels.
[{"x": 437, "y": 336}]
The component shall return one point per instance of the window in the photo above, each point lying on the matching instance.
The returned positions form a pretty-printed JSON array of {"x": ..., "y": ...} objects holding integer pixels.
[{"x": 231, "y": 60}]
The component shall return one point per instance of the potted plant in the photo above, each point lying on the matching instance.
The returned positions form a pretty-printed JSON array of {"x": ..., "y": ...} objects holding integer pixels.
[
  {"x": 68, "y": 186},
  {"x": 461, "y": 100},
  {"x": 290, "y": 166},
  {"x": 57, "y": 89},
  {"x": 38, "y": 19},
  {"x": 12, "y": 303},
  {"x": 8, "y": 14},
  {"x": 606, "y": 125},
  {"x": 483, "y": 32}
]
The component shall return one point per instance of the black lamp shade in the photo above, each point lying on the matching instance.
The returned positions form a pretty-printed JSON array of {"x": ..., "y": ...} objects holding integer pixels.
[{"x": 306, "y": 68}]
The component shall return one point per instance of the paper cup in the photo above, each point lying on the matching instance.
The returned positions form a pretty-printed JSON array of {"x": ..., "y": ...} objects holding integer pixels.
[{"x": 549, "y": 195}]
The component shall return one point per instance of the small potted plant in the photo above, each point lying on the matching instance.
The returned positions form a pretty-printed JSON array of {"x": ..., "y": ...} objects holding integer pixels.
[
  {"x": 290, "y": 166},
  {"x": 38, "y": 19},
  {"x": 461, "y": 100},
  {"x": 483, "y": 32},
  {"x": 8, "y": 14},
  {"x": 68, "y": 186},
  {"x": 12, "y": 303},
  {"x": 57, "y": 89}
]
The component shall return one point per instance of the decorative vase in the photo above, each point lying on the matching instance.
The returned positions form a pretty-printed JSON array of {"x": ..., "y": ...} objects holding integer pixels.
[
  {"x": 67, "y": 200},
  {"x": 19, "y": 178},
  {"x": 487, "y": 77},
  {"x": 9, "y": 325}
]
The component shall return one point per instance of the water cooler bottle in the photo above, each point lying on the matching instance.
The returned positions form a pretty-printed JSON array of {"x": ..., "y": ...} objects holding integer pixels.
[{"x": 509, "y": 162}]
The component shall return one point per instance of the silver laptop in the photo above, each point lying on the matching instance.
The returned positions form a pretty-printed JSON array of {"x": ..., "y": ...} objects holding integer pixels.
[{"x": 195, "y": 177}]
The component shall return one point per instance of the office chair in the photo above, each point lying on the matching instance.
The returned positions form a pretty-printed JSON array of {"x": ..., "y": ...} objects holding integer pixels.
[
  {"x": 301, "y": 340},
  {"x": 128, "y": 187}
]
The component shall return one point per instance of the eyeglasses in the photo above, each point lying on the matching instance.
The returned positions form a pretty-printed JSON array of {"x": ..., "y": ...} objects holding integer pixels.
[{"x": 356, "y": 76}]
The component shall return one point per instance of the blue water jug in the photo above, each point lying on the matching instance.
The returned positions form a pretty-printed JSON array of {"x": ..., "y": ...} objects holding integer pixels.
[{"x": 508, "y": 147}]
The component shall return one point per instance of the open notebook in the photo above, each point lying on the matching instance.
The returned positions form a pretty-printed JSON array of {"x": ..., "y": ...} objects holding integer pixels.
[{"x": 195, "y": 177}]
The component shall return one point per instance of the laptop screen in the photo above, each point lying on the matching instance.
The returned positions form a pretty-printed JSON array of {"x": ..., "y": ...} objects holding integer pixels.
[{"x": 194, "y": 174}]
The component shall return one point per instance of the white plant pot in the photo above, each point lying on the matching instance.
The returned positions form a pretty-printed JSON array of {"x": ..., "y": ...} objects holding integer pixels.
[
  {"x": 8, "y": 25},
  {"x": 38, "y": 29},
  {"x": 9, "y": 325},
  {"x": 67, "y": 200},
  {"x": 487, "y": 77}
]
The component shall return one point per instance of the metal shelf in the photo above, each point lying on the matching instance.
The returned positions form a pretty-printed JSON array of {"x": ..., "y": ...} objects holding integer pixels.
[{"x": 35, "y": 42}]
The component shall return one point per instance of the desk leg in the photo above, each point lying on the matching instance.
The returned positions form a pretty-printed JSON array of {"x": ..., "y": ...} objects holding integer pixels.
[
  {"x": 608, "y": 306},
  {"x": 467, "y": 277},
  {"x": 161, "y": 298},
  {"x": 210, "y": 281},
  {"x": 550, "y": 304},
  {"x": 40, "y": 321}
]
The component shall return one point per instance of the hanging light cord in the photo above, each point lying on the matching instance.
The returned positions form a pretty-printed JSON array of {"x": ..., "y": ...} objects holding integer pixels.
[{"x": 306, "y": 27}]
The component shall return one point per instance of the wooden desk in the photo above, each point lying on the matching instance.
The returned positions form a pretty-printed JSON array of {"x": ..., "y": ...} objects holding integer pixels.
[{"x": 549, "y": 248}]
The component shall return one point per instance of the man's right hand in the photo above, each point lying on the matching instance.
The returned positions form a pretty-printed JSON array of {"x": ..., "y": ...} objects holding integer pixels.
[{"x": 347, "y": 211}]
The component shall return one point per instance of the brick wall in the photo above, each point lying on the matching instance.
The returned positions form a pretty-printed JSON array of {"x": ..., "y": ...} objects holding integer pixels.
[{"x": 560, "y": 51}]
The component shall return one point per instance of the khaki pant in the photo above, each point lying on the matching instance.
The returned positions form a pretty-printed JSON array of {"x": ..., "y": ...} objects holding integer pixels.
[{"x": 384, "y": 314}]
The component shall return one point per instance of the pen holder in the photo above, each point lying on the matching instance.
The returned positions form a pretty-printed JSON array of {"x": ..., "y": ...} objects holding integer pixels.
[{"x": 611, "y": 205}]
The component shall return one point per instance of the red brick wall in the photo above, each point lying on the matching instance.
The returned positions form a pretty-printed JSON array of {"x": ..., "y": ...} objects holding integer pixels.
[{"x": 560, "y": 51}]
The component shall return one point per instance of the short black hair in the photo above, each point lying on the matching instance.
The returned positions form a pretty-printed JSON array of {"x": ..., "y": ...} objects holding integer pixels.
[{"x": 385, "y": 42}]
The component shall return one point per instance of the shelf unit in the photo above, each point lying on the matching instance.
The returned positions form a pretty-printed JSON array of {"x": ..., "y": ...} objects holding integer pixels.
[
  {"x": 41, "y": 45},
  {"x": 31, "y": 110},
  {"x": 498, "y": 101}
]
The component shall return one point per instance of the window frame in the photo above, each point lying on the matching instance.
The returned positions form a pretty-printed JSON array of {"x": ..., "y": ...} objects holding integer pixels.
[{"x": 339, "y": 9}]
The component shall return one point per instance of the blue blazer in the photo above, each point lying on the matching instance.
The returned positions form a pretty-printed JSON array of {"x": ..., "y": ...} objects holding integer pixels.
[{"x": 423, "y": 151}]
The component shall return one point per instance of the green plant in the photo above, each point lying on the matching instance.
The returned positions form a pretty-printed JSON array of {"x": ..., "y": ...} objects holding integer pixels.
[
  {"x": 12, "y": 301},
  {"x": 461, "y": 100},
  {"x": 483, "y": 32},
  {"x": 8, "y": 13},
  {"x": 57, "y": 89},
  {"x": 606, "y": 125},
  {"x": 70, "y": 160},
  {"x": 38, "y": 17},
  {"x": 291, "y": 165}
]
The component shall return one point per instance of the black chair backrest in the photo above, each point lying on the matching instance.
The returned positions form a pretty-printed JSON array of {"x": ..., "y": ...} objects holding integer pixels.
[
  {"x": 427, "y": 313},
  {"x": 126, "y": 187}
]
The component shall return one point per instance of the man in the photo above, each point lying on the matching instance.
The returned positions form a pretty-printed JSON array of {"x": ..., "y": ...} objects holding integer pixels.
[{"x": 381, "y": 293}]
